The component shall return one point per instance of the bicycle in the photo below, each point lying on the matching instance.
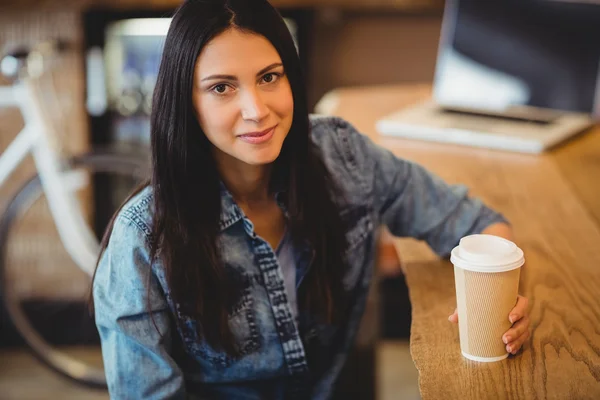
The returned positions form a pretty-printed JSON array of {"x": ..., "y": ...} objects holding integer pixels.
[{"x": 56, "y": 197}]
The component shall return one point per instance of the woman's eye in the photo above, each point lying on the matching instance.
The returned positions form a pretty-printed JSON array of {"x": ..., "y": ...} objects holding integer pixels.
[
  {"x": 220, "y": 89},
  {"x": 270, "y": 77}
]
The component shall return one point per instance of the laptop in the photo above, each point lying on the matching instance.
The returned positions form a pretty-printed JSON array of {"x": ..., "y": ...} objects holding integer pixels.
[{"x": 516, "y": 75}]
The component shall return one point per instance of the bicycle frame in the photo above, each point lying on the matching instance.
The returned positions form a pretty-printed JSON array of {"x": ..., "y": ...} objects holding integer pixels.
[{"x": 59, "y": 186}]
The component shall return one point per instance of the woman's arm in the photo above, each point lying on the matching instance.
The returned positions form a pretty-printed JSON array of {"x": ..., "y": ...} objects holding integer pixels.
[
  {"x": 127, "y": 295},
  {"x": 411, "y": 201}
]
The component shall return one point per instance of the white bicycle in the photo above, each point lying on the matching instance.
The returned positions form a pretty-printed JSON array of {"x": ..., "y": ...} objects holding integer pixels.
[{"x": 50, "y": 229}]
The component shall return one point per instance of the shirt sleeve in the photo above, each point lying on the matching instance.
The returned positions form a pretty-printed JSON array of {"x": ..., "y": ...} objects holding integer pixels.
[
  {"x": 413, "y": 202},
  {"x": 135, "y": 347}
]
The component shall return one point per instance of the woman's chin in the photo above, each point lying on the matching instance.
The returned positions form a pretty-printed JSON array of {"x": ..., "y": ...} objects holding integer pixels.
[{"x": 260, "y": 157}]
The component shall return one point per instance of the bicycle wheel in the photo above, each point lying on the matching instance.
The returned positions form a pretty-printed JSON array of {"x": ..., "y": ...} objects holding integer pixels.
[{"x": 44, "y": 292}]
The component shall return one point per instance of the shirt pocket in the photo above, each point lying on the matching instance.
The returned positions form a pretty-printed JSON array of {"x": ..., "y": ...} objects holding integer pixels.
[
  {"x": 359, "y": 237},
  {"x": 242, "y": 322}
]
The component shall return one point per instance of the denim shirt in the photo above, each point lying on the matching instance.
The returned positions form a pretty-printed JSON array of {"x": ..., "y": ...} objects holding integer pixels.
[{"x": 281, "y": 357}]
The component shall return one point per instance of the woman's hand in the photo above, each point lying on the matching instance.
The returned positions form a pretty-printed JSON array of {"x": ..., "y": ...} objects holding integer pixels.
[
  {"x": 519, "y": 316},
  {"x": 519, "y": 332},
  {"x": 388, "y": 260}
]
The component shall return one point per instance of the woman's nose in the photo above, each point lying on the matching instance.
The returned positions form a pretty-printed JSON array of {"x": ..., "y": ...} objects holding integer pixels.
[{"x": 253, "y": 107}]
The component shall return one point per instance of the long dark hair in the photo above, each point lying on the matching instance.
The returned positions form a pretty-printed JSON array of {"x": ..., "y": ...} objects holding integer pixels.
[{"x": 186, "y": 184}]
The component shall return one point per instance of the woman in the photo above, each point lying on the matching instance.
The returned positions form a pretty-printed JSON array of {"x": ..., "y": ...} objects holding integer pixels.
[{"x": 241, "y": 270}]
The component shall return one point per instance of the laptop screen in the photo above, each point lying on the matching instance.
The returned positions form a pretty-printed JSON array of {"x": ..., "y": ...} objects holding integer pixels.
[{"x": 505, "y": 56}]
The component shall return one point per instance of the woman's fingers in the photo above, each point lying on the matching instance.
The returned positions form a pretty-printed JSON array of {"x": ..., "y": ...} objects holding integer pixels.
[
  {"x": 454, "y": 317},
  {"x": 520, "y": 309},
  {"x": 517, "y": 330},
  {"x": 514, "y": 346}
]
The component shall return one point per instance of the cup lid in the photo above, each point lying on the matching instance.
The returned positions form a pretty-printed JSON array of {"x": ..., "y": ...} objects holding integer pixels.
[{"x": 487, "y": 253}]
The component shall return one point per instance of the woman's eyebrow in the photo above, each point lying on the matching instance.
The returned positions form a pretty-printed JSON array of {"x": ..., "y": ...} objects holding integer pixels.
[
  {"x": 267, "y": 68},
  {"x": 234, "y": 78}
]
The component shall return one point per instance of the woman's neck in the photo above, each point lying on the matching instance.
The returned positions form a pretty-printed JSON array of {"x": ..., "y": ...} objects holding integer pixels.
[{"x": 248, "y": 184}]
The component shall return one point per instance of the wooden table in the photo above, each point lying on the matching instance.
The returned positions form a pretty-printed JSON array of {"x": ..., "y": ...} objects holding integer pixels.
[{"x": 553, "y": 201}]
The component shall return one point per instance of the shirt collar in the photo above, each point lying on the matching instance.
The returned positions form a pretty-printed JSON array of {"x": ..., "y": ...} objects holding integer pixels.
[{"x": 232, "y": 213}]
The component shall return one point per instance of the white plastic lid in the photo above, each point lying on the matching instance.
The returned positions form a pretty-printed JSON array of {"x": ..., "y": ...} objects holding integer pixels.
[{"x": 487, "y": 253}]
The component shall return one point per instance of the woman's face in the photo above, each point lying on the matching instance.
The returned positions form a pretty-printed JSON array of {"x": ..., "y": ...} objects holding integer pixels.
[{"x": 243, "y": 98}]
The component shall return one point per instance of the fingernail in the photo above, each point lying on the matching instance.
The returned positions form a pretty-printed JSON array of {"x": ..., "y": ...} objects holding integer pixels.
[
  {"x": 450, "y": 318},
  {"x": 507, "y": 339},
  {"x": 508, "y": 349},
  {"x": 512, "y": 318}
]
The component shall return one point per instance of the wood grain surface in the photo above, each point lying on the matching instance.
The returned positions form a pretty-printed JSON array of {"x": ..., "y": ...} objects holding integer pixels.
[{"x": 553, "y": 202}]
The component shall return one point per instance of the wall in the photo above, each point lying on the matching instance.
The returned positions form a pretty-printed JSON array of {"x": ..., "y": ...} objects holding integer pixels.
[{"x": 371, "y": 48}]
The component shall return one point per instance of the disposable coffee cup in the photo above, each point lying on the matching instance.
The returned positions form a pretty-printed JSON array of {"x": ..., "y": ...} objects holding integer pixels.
[{"x": 486, "y": 274}]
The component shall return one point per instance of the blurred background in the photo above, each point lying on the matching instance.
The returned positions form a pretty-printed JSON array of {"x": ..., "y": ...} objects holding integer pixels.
[{"x": 104, "y": 91}]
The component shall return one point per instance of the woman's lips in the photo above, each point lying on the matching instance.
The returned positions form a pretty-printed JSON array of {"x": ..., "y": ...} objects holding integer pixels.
[{"x": 258, "y": 137}]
